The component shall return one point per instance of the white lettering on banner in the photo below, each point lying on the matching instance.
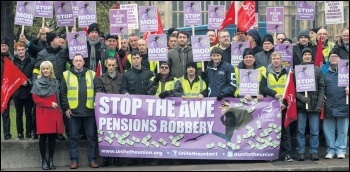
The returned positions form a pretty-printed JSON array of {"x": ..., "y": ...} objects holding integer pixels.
[
  {"x": 187, "y": 16},
  {"x": 87, "y": 17},
  {"x": 157, "y": 50},
  {"x": 77, "y": 48},
  {"x": 215, "y": 20},
  {"x": 236, "y": 57},
  {"x": 120, "y": 105},
  {"x": 39, "y": 7},
  {"x": 118, "y": 15},
  {"x": 194, "y": 127},
  {"x": 24, "y": 15},
  {"x": 201, "y": 51},
  {"x": 305, "y": 81},
  {"x": 344, "y": 76},
  {"x": 124, "y": 124},
  {"x": 64, "y": 16},
  {"x": 249, "y": 85},
  {"x": 195, "y": 109},
  {"x": 162, "y": 107},
  {"x": 146, "y": 22},
  {"x": 302, "y": 10}
]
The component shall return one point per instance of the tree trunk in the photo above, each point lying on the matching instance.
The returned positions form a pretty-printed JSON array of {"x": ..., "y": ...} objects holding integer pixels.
[{"x": 8, "y": 21}]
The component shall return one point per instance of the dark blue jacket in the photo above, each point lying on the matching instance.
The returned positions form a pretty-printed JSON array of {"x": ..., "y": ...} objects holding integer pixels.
[{"x": 221, "y": 79}]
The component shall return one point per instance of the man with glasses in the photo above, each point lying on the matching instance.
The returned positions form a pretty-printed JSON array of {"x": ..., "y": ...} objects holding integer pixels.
[
  {"x": 326, "y": 45},
  {"x": 225, "y": 45}
]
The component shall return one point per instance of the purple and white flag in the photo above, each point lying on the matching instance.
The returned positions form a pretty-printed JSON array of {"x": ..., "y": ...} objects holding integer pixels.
[
  {"x": 216, "y": 14},
  {"x": 305, "y": 78},
  {"x": 343, "y": 73},
  {"x": 286, "y": 51},
  {"x": 200, "y": 48},
  {"x": 118, "y": 22},
  {"x": 77, "y": 43},
  {"x": 133, "y": 16},
  {"x": 237, "y": 49},
  {"x": 249, "y": 82},
  {"x": 305, "y": 10},
  {"x": 192, "y": 12},
  {"x": 25, "y": 11},
  {"x": 157, "y": 47},
  {"x": 87, "y": 13},
  {"x": 148, "y": 19},
  {"x": 275, "y": 19},
  {"x": 44, "y": 9},
  {"x": 64, "y": 13}
]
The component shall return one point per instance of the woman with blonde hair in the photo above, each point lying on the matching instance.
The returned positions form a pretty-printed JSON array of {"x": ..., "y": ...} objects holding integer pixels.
[{"x": 49, "y": 119}]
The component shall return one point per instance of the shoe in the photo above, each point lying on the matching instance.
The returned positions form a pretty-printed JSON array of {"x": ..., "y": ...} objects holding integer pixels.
[
  {"x": 329, "y": 156},
  {"x": 51, "y": 165},
  {"x": 301, "y": 157},
  {"x": 93, "y": 164},
  {"x": 60, "y": 137},
  {"x": 44, "y": 165},
  {"x": 73, "y": 165},
  {"x": 105, "y": 162},
  {"x": 287, "y": 158},
  {"x": 314, "y": 157},
  {"x": 34, "y": 136},
  {"x": 20, "y": 136},
  {"x": 341, "y": 156},
  {"x": 153, "y": 162}
]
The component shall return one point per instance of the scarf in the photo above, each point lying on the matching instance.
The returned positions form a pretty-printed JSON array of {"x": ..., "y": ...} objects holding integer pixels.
[
  {"x": 93, "y": 53},
  {"x": 44, "y": 87}
]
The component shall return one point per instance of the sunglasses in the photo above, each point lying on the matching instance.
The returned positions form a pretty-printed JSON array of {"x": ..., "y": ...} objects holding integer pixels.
[{"x": 164, "y": 67}]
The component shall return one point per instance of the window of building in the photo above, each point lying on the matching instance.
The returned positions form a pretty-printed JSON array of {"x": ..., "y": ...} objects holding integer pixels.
[
  {"x": 228, "y": 3},
  {"x": 175, "y": 22},
  {"x": 293, "y": 3},
  {"x": 294, "y": 28},
  {"x": 280, "y": 3},
  {"x": 174, "y": 6},
  {"x": 262, "y": 3},
  {"x": 262, "y": 18}
]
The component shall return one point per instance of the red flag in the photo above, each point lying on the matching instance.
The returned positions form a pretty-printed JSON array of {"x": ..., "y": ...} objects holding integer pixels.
[
  {"x": 246, "y": 16},
  {"x": 319, "y": 54},
  {"x": 116, "y": 5},
  {"x": 12, "y": 79},
  {"x": 230, "y": 17},
  {"x": 86, "y": 30},
  {"x": 322, "y": 112},
  {"x": 216, "y": 40},
  {"x": 160, "y": 28},
  {"x": 98, "y": 71},
  {"x": 289, "y": 95}
]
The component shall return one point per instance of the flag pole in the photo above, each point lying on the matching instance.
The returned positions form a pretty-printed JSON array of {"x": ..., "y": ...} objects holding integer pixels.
[
  {"x": 307, "y": 105},
  {"x": 43, "y": 23},
  {"x": 347, "y": 98},
  {"x": 22, "y": 31}
]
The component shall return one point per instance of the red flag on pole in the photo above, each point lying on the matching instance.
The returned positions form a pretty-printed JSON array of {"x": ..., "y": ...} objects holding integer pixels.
[
  {"x": 160, "y": 28},
  {"x": 319, "y": 54},
  {"x": 12, "y": 79},
  {"x": 116, "y": 5},
  {"x": 230, "y": 17},
  {"x": 289, "y": 95},
  {"x": 246, "y": 16},
  {"x": 98, "y": 71},
  {"x": 86, "y": 30}
]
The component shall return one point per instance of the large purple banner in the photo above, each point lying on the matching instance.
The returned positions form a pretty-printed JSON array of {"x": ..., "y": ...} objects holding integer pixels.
[
  {"x": 148, "y": 127},
  {"x": 44, "y": 9},
  {"x": 248, "y": 82},
  {"x": 275, "y": 19},
  {"x": 216, "y": 16},
  {"x": 25, "y": 11},
  {"x": 148, "y": 19},
  {"x": 64, "y": 13},
  {"x": 343, "y": 73},
  {"x": 286, "y": 51},
  {"x": 157, "y": 47},
  {"x": 305, "y": 10},
  {"x": 200, "y": 48},
  {"x": 192, "y": 12},
  {"x": 86, "y": 13},
  {"x": 118, "y": 22},
  {"x": 305, "y": 78},
  {"x": 77, "y": 44},
  {"x": 237, "y": 49}
]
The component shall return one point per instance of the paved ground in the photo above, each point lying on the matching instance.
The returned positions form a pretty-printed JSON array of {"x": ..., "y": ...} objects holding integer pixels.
[{"x": 322, "y": 165}]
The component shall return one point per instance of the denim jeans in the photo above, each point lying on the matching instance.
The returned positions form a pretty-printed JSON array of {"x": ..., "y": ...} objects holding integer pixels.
[
  {"x": 336, "y": 145},
  {"x": 27, "y": 104},
  {"x": 90, "y": 131},
  {"x": 6, "y": 122},
  {"x": 314, "y": 125}
]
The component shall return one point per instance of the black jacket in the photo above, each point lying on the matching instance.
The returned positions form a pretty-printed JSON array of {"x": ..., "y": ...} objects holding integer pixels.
[
  {"x": 297, "y": 56},
  {"x": 135, "y": 81},
  {"x": 100, "y": 49},
  {"x": 340, "y": 46},
  {"x": 35, "y": 46},
  {"x": 26, "y": 67},
  {"x": 107, "y": 84},
  {"x": 263, "y": 58}
]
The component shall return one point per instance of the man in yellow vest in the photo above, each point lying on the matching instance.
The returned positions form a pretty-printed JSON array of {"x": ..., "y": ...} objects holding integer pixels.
[
  {"x": 192, "y": 85},
  {"x": 77, "y": 99},
  {"x": 273, "y": 85}
]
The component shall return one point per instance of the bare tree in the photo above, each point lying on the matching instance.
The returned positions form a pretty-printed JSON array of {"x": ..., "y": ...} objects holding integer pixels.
[{"x": 8, "y": 21}]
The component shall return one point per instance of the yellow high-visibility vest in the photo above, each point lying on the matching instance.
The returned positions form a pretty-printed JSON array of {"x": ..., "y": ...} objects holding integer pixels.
[
  {"x": 196, "y": 89},
  {"x": 167, "y": 86},
  {"x": 73, "y": 89},
  {"x": 279, "y": 85}
]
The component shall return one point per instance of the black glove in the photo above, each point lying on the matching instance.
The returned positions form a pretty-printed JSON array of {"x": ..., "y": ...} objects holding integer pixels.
[
  {"x": 164, "y": 94},
  {"x": 157, "y": 78},
  {"x": 305, "y": 99},
  {"x": 121, "y": 53},
  {"x": 220, "y": 96},
  {"x": 204, "y": 75},
  {"x": 318, "y": 109},
  {"x": 222, "y": 119}
]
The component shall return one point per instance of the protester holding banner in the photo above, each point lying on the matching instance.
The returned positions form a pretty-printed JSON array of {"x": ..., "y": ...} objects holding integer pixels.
[
  {"x": 343, "y": 44},
  {"x": 22, "y": 97},
  {"x": 220, "y": 76},
  {"x": 46, "y": 96},
  {"x": 181, "y": 55},
  {"x": 142, "y": 48},
  {"x": 115, "y": 52},
  {"x": 109, "y": 82},
  {"x": 248, "y": 62},
  {"x": 38, "y": 44},
  {"x": 314, "y": 99},
  {"x": 254, "y": 38},
  {"x": 80, "y": 108},
  {"x": 263, "y": 58},
  {"x": 303, "y": 42},
  {"x": 287, "y": 41},
  {"x": 336, "y": 120},
  {"x": 225, "y": 45},
  {"x": 273, "y": 85},
  {"x": 327, "y": 46},
  {"x": 95, "y": 47}
]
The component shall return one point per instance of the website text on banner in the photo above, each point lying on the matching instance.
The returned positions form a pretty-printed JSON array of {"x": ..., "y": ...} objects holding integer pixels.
[{"x": 149, "y": 127}]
